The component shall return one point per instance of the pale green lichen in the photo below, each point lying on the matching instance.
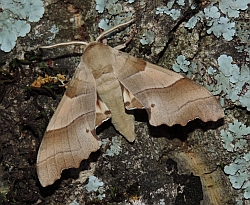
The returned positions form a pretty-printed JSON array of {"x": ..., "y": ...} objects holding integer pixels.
[
  {"x": 115, "y": 13},
  {"x": 100, "y": 5},
  {"x": 95, "y": 187},
  {"x": 53, "y": 30},
  {"x": 192, "y": 22},
  {"x": 181, "y": 64},
  {"x": 162, "y": 202},
  {"x": 231, "y": 81},
  {"x": 211, "y": 70},
  {"x": 115, "y": 146},
  {"x": 181, "y": 2},
  {"x": 74, "y": 202},
  {"x": 222, "y": 27},
  {"x": 239, "y": 174},
  {"x": 14, "y": 20},
  {"x": 169, "y": 10},
  {"x": 235, "y": 139},
  {"x": 174, "y": 13},
  {"x": 212, "y": 12},
  {"x": 243, "y": 33},
  {"x": 147, "y": 38},
  {"x": 184, "y": 66},
  {"x": 218, "y": 23},
  {"x": 93, "y": 184},
  {"x": 231, "y": 7},
  {"x": 130, "y": 1},
  {"x": 230, "y": 70}
]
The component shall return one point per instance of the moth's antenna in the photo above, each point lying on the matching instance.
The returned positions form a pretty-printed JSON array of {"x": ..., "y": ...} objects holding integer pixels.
[
  {"x": 85, "y": 43},
  {"x": 66, "y": 44},
  {"x": 114, "y": 28}
]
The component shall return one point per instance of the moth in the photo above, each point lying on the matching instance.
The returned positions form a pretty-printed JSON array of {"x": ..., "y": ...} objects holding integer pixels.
[{"x": 105, "y": 84}]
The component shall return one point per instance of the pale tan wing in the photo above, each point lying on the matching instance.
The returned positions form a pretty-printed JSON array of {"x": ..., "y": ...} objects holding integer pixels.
[
  {"x": 102, "y": 112},
  {"x": 130, "y": 101},
  {"x": 168, "y": 97},
  {"x": 70, "y": 136}
]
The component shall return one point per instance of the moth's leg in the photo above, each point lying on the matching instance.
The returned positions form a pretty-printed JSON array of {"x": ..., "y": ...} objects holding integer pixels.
[
  {"x": 119, "y": 47},
  {"x": 105, "y": 41},
  {"x": 64, "y": 85}
]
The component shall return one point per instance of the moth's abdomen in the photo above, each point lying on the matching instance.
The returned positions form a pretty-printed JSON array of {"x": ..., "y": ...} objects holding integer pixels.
[{"x": 109, "y": 90}]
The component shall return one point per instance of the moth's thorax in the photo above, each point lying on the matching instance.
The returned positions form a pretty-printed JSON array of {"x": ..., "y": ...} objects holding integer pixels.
[{"x": 99, "y": 58}]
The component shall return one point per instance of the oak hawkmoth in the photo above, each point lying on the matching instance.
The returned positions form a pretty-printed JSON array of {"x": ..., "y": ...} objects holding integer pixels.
[{"x": 106, "y": 82}]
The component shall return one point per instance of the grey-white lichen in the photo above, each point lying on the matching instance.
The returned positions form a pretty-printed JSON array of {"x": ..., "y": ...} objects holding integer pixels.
[
  {"x": 220, "y": 18},
  {"x": 239, "y": 174},
  {"x": 95, "y": 187},
  {"x": 232, "y": 81},
  {"x": 115, "y": 146},
  {"x": 115, "y": 14},
  {"x": 147, "y": 38},
  {"x": 181, "y": 64},
  {"x": 15, "y": 18},
  {"x": 174, "y": 13},
  {"x": 236, "y": 139}
]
